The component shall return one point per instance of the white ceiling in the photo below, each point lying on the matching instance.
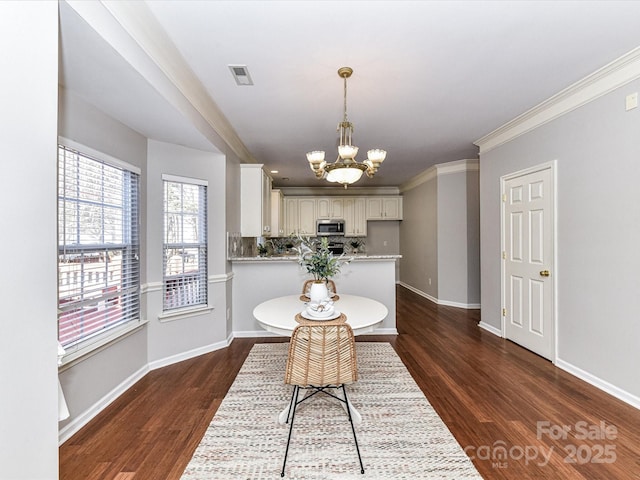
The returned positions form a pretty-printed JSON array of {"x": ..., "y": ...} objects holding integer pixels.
[{"x": 429, "y": 78}]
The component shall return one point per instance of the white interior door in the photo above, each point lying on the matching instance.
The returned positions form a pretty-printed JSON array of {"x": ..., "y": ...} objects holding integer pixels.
[{"x": 528, "y": 260}]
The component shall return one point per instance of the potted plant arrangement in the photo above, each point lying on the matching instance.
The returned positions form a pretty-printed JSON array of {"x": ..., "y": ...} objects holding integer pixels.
[
  {"x": 319, "y": 261},
  {"x": 355, "y": 245}
]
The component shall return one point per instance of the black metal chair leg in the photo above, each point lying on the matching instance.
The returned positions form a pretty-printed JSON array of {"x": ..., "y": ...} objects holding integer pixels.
[
  {"x": 294, "y": 404},
  {"x": 355, "y": 439}
]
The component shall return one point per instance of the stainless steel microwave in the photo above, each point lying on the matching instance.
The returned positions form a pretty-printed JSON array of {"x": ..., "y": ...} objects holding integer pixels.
[{"x": 326, "y": 227}]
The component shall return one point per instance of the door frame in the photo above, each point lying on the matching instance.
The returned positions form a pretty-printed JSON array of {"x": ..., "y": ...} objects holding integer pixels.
[{"x": 552, "y": 167}]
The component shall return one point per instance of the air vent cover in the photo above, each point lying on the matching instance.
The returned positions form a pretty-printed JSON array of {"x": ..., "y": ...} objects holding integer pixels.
[{"x": 241, "y": 74}]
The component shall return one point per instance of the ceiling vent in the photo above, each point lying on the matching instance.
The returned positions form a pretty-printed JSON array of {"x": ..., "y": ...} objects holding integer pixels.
[{"x": 241, "y": 74}]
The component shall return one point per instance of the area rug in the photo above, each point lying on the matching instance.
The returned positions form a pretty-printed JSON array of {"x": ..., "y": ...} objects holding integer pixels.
[{"x": 400, "y": 437}]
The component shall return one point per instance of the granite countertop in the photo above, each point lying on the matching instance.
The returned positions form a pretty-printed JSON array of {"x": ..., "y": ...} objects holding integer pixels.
[{"x": 289, "y": 258}]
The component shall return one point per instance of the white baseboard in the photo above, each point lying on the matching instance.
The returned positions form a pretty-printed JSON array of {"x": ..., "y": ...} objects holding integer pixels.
[
  {"x": 254, "y": 334},
  {"x": 163, "y": 362},
  {"x": 446, "y": 303},
  {"x": 597, "y": 382},
  {"x": 85, "y": 417},
  {"x": 490, "y": 328}
]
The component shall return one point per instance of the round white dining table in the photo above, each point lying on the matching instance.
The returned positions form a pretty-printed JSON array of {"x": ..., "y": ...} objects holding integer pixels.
[{"x": 278, "y": 314}]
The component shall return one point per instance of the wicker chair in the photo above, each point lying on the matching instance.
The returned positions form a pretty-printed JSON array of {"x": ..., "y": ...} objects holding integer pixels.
[
  {"x": 331, "y": 285},
  {"x": 321, "y": 358}
]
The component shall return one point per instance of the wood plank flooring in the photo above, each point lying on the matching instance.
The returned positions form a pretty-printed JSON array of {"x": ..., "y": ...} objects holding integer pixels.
[{"x": 496, "y": 398}]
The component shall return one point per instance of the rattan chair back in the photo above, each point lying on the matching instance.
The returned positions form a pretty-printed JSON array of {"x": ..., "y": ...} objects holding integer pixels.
[{"x": 321, "y": 355}]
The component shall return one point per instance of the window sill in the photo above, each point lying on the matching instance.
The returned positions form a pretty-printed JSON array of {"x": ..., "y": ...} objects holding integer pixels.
[
  {"x": 75, "y": 356},
  {"x": 181, "y": 313}
]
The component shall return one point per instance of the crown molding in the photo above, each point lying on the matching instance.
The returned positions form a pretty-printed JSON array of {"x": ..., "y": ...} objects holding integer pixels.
[
  {"x": 610, "y": 77},
  {"x": 458, "y": 166}
]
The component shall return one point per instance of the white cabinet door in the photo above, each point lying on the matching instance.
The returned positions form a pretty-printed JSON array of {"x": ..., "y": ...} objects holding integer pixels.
[
  {"x": 266, "y": 205},
  {"x": 255, "y": 201},
  {"x": 355, "y": 220},
  {"x": 291, "y": 216},
  {"x": 384, "y": 208},
  {"x": 323, "y": 207},
  {"x": 374, "y": 208},
  {"x": 277, "y": 213},
  {"x": 360, "y": 217},
  {"x": 328, "y": 207},
  {"x": 307, "y": 216},
  {"x": 337, "y": 208},
  {"x": 392, "y": 208}
]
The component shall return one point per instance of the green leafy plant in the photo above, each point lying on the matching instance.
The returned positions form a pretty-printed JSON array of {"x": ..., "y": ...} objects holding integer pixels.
[
  {"x": 319, "y": 261},
  {"x": 262, "y": 249}
]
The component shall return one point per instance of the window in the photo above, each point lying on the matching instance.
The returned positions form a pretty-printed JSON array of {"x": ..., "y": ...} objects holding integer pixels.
[
  {"x": 185, "y": 243},
  {"x": 98, "y": 247}
]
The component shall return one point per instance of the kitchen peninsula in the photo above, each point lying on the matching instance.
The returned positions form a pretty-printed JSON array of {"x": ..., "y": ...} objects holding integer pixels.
[{"x": 257, "y": 279}]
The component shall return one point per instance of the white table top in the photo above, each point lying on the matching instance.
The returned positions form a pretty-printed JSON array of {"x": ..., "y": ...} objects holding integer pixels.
[{"x": 278, "y": 314}]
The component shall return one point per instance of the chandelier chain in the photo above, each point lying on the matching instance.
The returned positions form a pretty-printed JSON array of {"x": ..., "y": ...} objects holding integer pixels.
[{"x": 345, "y": 99}]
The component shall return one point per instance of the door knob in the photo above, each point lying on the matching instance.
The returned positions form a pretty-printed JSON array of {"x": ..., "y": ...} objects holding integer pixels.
[{"x": 544, "y": 273}]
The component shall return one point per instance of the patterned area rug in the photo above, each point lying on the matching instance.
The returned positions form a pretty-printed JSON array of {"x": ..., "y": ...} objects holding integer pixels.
[{"x": 400, "y": 437}]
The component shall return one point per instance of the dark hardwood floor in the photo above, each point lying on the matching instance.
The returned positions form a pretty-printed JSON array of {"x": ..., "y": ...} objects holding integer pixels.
[{"x": 517, "y": 415}]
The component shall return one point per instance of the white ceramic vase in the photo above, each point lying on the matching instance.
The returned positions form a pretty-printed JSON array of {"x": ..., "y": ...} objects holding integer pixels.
[{"x": 318, "y": 291}]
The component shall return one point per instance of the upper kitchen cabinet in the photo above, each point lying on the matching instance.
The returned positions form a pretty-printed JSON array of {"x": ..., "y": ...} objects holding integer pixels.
[
  {"x": 307, "y": 216},
  {"x": 300, "y": 215},
  {"x": 255, "y": 201},
  {"x": 355, "y": 218},
  {"x": 384, "y": 208},
  {"x": 277, "y": 213},
  {"x": 327, "y": 207}
]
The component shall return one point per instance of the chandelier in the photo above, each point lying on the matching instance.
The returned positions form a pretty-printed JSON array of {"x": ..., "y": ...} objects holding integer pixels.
[{"x": 346, "y": 169}]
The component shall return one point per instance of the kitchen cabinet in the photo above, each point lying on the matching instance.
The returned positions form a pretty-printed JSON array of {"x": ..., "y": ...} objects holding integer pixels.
[
  {"x": 355, "y": 219},
  {"x": 384, "y": 208},
  {"x": 290, "y": 215},
  {"x": 255, "y": 201},
  {"x": 300, "y": 216},
  {"x": 329, "y": 207},
  {"x": 302, "y": 212},
  {"x": 307, "y": 216},
  {"x": 277, "y": 213}
]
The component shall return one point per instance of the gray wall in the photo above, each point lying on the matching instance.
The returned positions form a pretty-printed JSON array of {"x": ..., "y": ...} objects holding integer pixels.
[
  {"x": 173, "y": 337},
  {"x": 28, "y": 86},
  {"x": 93, "y": 381},
  {"x": 419, "y": 238},
  {"x": 383, "y": 237},
  {"x": 452, "y": 237},
  {"x": 440, "y": 235},
  {"x": 597, "y": 149},
  {"x": 87, "y": 382}
]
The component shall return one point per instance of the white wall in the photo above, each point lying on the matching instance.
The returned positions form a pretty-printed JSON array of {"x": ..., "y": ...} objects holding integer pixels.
[
  {"x": 597, "y": 149},
  {"x": 28, "y": 95},
  {"x": 258, "y": 281}
]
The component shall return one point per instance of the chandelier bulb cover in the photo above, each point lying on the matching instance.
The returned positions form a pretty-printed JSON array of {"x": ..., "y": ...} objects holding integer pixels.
[{"x": 346, "y": 169}]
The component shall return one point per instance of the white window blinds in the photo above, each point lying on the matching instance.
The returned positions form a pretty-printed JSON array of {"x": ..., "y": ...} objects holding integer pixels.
[
  {"x": 185, "y": 243},
  {"x": 98, "y": 247}
]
